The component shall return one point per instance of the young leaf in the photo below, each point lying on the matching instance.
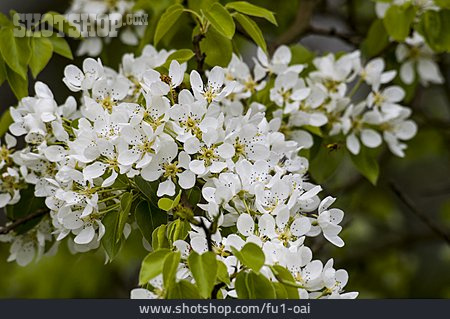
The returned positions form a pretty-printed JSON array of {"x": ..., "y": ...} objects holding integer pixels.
[
  {"x": 61, "y": 47},
  {"x": 259, "y": 287},
  {"x": 183, "y": 290},
  {"x": 152, "y": 265},
  {"x": 110, "y": 242},
  {"x": 221, "y": 20},
  {"x": 251, "y": 255},
  {"x": 284, "y": 276},
  {"x": 204, "y": 269},
  {"x": 2, "y": 70},
  {"x": 5, "y": 121},
  {"x": 252, "y": 29},
  {"x": 217, "y": 48},
  {"x": 367, "y": 165},
  {"x": 252, "y": 10},
  {"x": 377, "y": 39},
  {"x": 181, "y": 56},
  {"x": 435, "y": 26},
  {"x": 15, "y": 51},
  {"x": 125, "y": 206},
  {"x": 170, "y": 268},
  {"x": 178, "y": 230},
  {"x": 241, "y": 286},
  {"x": 41, "y": 53},
  {"x": 397, "y": 21},
  {"x": 222, "y": 273},
  {"x": 18, "y": 85},
  {"x": 159, "y": 238},
  {"x": 165, "y": 204},
  {"x": 167, "y": 20}
]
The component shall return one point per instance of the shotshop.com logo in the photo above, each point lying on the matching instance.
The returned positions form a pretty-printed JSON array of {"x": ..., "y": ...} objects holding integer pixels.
[{"x": 75, "y": 24}]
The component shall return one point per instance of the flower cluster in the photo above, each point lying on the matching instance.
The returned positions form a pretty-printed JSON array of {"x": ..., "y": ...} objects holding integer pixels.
[
  {"x": 330, "y": 98},
  {"x": 150, "y": 121}
]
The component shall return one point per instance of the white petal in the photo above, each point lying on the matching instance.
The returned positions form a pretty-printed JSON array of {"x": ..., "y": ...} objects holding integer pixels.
[
  {"x": 198, "y": 167},
  {"x": 85, "y": 236},
  {"x": 245, "y": 225},
  {"x": 94, "y": 170},
  {"x": 353, "y": 144},
  {"x": 186, "y": 179},
  {"x": 300, "y": 226},
  {"x": 226, "y": 150},
  {"x": 371, "y": 138},
  {"x": 166, "y": 188}
]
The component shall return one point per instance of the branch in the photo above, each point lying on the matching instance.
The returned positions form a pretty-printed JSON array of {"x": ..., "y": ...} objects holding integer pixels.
[
  {"x": 6, "y": 229},
  {"x": 299, "y": 26},
  {"x": 349, "y": 38},
  {"x": 199, "y": 55},
  {"x": 424, "y": 218}
]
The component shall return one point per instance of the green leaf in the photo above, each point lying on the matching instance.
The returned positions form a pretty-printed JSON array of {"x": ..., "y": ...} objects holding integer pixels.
[
  {"x": 217, "y": 48},
  {"x": 221, "y": 20},
  {"x": 152, "y": 265},
  {"x": 301, "y": 55},
  {"x": 332, "y": 158},
  {"x": 4, "y": 21},
  {"x": 183, "y": 290},
  {"x": 61, "y": 47},
  {"x": 3, "y": 76},
  {"x": 259, "y": 287},
  {"x": 15, "y": 51},
  {"x": 170, "y": 268},
  {"x": 149, "y": 219},
  {"x": 367, "y": 165},
  {"x": 125, "y": 206},
  {"x": 41, "y": 53},
  {"x": 204, "y": 270},
  {"x": 59, "y": 22},
  {"x": 159, "y": 238},
  {"x": 5, "y": 121},
  {"x": 252, "y": 10},
  {"x": 222, "y": 273},
  {"x": 178, "y": 230},
  {"x": 167, "y": 20},
  {"x": 284, "y": 276},
  {"x": 435, "y": 26},
  {"x": 240, "y": 285},
  {"x": 165, "y": 204},
  {"x": 110, "y": 242},
  {"x": 398, "y": 20},
  {"x": 251, "y": 255},
  {"x": 199, "y": 5},
  {"x": 252, "y": 29},
  {"x": 443, "y": 3},
  {"x": 181, "y": 56},
  {"x": 376, "y": 40},
  {"x": 18, "y": 85},
  {"x": 280, "y": 291},
  {"x": 149, "y": 189}
]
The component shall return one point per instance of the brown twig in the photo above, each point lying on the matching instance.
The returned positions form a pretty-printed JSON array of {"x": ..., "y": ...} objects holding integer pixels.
[
  {"x": 199, "y": 55},
  {"x": 6, "y": 229},
  {"x": 424, "y": 218},
  {"x": 299, "y": 26},
  {"x": 349, "y": 38}
]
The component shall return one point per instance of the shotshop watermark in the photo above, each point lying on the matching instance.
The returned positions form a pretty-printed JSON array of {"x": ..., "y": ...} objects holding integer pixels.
[
  {"x": 225, "y": 310},
  {"x": 75, "y": 24}
]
